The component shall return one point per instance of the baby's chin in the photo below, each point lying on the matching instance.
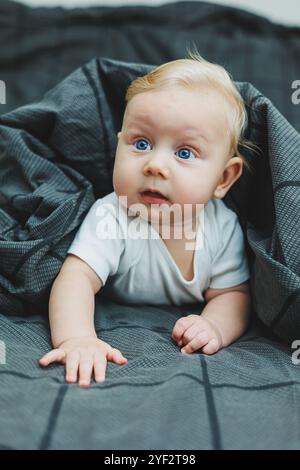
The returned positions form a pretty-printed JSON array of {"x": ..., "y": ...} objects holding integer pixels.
[
  {"x": 169, "y": 213},
  {"x": 157, "y": 216}
]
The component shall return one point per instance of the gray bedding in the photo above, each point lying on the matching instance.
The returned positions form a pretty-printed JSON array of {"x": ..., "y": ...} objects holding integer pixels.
[
  {"x": 56, "y": 157},
  {"x": 244, "y": 397}
]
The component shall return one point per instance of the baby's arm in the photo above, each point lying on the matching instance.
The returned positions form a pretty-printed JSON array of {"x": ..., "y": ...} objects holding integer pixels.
[
  {"x": 71, "y": 316},
  {"x": 223, "y": 320}
]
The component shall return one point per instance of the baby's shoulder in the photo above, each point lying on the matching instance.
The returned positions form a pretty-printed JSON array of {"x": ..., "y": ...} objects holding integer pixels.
[
  {"x": 109, "y": 200},
  {"x": 111, "y": 207},
  {"x": 218, "y": 213},
  {"x": 115, "y": 217},
  {"x": 219, "y": 221}
]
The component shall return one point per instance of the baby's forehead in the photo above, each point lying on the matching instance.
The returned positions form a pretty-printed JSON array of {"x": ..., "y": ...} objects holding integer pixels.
[
  {"x": 201, "y": 105},
  {"x": 172, "y": 94}
]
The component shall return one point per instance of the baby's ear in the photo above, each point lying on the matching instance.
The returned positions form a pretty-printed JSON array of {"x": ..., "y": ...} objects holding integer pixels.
[{"x": 119, "y": 134}]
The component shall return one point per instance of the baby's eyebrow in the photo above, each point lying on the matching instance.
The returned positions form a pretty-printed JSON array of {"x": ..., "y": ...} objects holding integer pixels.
[
  {"x": 145, "y": 123},
  {"x": 142, "y": 121},
  {"x": 196, "y": 136},
  {"x": 192, "y": 132}
]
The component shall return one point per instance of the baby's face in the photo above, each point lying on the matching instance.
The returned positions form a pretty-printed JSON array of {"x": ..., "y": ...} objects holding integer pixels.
[{"x": 175, "y": 141}]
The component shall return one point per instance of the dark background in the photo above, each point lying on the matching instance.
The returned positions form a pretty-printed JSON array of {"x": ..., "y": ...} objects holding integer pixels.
[{"x": 40, "y": 46}]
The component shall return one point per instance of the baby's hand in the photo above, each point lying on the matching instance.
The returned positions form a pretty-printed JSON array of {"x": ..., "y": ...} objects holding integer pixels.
[
  {"x": 83, "y": 355},
  {"x": 197, "y": 332}
]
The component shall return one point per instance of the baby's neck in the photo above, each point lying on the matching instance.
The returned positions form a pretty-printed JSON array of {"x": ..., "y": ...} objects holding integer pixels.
[{"x": 178, "y": 233}]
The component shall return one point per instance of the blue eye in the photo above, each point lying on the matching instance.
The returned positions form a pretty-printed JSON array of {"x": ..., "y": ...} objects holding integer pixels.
[
  {"x": 185, "y": 153},
  {"x": 143, "y": 146}
]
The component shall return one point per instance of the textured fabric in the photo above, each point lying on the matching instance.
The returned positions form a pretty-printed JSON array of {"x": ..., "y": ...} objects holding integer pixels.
[
  {"x": 135, "y": 265},
  {"x": 244, "y": 397},
  {"x": 56, "y": 157},
  {"x": 52, "y": 154},
  {"x": 44, "y": 45}
]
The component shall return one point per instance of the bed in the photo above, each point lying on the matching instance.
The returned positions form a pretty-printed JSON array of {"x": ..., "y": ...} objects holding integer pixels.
[{"x": 57, "y": 144}]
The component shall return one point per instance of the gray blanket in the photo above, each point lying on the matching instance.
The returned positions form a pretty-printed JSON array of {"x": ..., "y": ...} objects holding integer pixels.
[
  {"x": 244, "y": 397},
  {"x": 56, "y": 157}
]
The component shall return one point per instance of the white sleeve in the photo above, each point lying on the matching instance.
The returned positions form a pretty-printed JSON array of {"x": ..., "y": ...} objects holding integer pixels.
[
  {"x": 230, "y": 263},
  {"x": 98, "y": 241}
]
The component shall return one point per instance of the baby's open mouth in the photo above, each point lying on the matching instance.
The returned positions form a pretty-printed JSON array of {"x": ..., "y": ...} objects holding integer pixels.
[
  {"x": 153, "y": 197},
  {"x": 152, "y": 193}
]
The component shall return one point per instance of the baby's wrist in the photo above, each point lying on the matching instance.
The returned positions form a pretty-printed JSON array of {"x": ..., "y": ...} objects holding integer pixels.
[
  {"x": 57, "y": 344},
  {"x": 216, "y": 328}
]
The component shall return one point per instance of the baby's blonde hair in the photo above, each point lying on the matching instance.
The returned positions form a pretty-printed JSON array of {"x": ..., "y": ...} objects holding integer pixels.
[{"x": 195, "y": 72}]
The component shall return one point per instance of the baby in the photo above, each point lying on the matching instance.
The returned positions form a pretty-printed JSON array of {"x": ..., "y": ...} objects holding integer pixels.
[{"x": 178, "y": 148}]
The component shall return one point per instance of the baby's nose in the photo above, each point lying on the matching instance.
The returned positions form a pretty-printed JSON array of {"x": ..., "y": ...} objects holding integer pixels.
[{"x": 157, "y": 165}]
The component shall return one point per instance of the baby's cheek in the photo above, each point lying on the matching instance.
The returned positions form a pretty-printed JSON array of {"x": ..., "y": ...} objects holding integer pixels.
[
  {"x": 122, "y": 180},
  {"x": 195, "y": 191}
]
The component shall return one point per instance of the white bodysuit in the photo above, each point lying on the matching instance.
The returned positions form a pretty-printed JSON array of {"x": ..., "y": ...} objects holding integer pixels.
[{"x": 140, "y": 269}]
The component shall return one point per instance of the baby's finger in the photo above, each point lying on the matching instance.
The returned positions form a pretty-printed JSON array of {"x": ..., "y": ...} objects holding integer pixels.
[
  {"x": 100, "y": 364},
  {"x": 191, "y": 333},
  {"x": 116, "y": 356},
  {"x": 200, "y": 340},
  {"x": 56, "y": 355},
  {"x": 72, "y": 363},
  {"x": 180, "y": 327},
  {"x": 85, "y": 370},
  {"x": 211, "y": 347}
]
